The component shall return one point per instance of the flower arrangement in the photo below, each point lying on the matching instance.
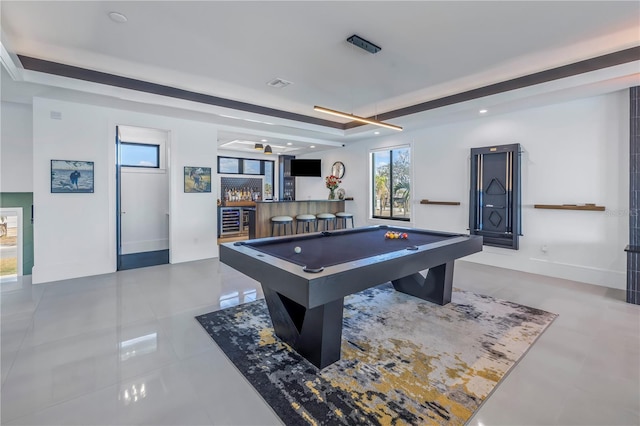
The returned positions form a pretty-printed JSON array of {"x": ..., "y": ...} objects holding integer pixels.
[{"x": 332, "y": 182}]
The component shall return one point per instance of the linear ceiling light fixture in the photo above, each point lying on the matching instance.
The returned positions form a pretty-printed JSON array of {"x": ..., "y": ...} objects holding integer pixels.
[{"x": 357, "y": 118}]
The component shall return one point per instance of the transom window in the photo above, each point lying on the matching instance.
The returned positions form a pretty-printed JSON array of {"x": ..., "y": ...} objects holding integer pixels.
[
  {"x": 391, "y": 184},
  {"x": 139, "y": 155}
]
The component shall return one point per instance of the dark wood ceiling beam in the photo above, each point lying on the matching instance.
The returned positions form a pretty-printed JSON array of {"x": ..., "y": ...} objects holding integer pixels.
[
  {"x": 55, "y": 68},
  {"x": 605, "y": 61}
]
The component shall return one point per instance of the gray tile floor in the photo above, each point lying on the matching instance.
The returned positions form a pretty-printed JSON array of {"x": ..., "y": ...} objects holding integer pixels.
[{"x": 124, "y": 348}]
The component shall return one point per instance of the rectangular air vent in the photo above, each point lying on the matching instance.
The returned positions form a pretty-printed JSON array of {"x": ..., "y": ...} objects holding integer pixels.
[
  {"x": 278, "y": 83},
  {"x": 364, "y": 44}
]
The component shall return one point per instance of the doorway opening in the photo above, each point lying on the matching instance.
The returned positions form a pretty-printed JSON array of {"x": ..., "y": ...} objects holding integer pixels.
[
  {"x": 10, "y": 244},
  {"x": 142, "y": 197}
]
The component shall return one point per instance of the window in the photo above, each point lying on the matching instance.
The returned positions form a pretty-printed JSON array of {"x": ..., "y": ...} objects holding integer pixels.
[
  {"x": 228, "y": 165},
  {"x": 139, "y": 155},
  {"x": 391, "y": 184},
  {"x": 251, "y": 167},
  {"x": 268, "y": 180},
  {"x": 248, "y": 166}
]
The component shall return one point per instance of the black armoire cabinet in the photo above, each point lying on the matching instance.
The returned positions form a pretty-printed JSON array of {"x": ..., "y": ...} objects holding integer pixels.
[
  {"x": 287, "y": 188},
  {"x": 495, "y": 202}
]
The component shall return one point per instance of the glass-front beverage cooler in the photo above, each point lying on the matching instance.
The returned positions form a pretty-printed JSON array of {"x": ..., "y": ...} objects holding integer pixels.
[{"x": 230, "y": 221}]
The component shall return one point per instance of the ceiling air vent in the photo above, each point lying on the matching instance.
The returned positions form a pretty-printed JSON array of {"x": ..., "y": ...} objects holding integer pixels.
[
  {"x": 364, "y": 44},
  {"x": 278, "y": 83}
]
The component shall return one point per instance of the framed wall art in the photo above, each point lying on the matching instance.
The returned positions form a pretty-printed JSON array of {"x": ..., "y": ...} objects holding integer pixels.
[
  {"x": 69, "y": 176},
  {"x": 197, "y": 179}
]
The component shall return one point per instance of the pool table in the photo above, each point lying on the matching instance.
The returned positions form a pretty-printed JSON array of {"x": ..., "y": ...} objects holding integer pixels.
[{"x": 305, "y": 291}]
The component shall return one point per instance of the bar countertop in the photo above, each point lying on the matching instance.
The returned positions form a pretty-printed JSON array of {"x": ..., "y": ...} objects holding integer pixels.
[
  {"x": 265, "y": 210},
  {"x": 295, "y": 201}
]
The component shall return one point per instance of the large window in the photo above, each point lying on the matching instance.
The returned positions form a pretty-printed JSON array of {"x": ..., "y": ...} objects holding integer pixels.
[{"x": 391, "y": 183}]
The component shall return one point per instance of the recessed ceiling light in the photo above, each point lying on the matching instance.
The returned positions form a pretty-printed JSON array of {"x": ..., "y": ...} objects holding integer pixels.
[
  {"x": 312, "y": 146},
  {"x": 289, "y": 143},
  {"x": 376, "y": 133},
  {"x": 483, "y": 111},
  {"x": 263, "y": 140},
  {"x": 118, "y": 17}
]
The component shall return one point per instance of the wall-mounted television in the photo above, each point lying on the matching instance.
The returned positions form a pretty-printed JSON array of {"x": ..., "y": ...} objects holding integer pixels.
[{"x": 306, "y": 167}]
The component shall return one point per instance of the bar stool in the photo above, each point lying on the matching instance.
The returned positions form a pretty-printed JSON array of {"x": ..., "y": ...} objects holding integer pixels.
[
  {"x": 325, "y": 219},
  {"x": 341, "y": 219},
  {"x": 306, "y": 220},
  {"x": 281, "y": 222}
]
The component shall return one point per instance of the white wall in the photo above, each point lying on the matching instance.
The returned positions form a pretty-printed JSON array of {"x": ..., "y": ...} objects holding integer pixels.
[
  {"x": 16, "y": 148},
  {"x": 75, "y": 233},
  {"x": 574, "y": 152}
]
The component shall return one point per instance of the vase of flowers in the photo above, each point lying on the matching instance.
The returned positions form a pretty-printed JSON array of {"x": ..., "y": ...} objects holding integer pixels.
[{"x": 332, "y": 182}]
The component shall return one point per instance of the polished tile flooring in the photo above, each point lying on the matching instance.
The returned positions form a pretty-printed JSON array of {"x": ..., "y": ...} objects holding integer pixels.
[{"x": 124, "y": 348}]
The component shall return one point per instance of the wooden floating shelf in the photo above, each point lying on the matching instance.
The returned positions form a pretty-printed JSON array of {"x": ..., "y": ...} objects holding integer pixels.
[
  {"x": 440, "y": 203},
  {"x": 588, "y": 207}
]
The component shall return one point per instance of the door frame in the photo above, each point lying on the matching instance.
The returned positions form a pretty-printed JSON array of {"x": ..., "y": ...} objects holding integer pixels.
[
  {"x": 16, "y": 211},
  {"x": 118, "y": 206},
  {"x": 164, "y": 161}
]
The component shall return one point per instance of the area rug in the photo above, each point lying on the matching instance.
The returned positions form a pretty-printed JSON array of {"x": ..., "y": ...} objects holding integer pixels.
[{"x": 404, "y": 360}]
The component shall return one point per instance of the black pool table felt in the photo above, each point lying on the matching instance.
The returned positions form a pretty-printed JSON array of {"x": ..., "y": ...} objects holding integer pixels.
[{"x": 328, "y": 249}]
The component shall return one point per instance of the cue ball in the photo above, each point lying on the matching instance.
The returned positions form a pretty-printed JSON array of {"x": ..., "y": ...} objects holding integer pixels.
[{"x": 297, "y": 249}]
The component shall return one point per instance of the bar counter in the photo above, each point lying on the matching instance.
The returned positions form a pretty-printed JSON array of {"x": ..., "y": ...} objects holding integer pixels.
[{"x": 265, "y": 210}]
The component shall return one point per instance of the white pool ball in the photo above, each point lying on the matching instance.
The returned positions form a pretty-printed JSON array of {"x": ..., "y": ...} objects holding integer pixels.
[{"x": 297, "y": 249}]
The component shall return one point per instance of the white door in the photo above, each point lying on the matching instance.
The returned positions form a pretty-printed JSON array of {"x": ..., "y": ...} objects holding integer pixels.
[{"x": 144, "y": 211}]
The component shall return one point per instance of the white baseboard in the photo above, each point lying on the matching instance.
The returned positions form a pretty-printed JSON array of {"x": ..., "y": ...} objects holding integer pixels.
[
  {"x": 64, "y": 271},
  {"x": 597, "y": 276}
]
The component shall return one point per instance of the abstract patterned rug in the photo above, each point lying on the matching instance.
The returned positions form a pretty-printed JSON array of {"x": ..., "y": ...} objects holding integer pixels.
[{"x": 404, "y": 360}]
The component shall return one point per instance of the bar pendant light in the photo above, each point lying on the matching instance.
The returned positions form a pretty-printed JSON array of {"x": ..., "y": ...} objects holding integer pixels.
[{"x": 357, "y": 118}]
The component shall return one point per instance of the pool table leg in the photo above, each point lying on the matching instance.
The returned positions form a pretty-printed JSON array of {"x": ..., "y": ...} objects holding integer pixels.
[
  {"x": 436, "y": 287},
  {"x": 315, "y": 333}
]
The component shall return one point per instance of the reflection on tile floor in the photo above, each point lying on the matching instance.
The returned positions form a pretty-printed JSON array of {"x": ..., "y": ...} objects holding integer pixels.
[{"x": 124, "y": 348}]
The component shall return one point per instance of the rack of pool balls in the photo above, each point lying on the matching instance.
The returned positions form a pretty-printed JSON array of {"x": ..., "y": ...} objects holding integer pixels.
[{"x": 391, "y": 235}]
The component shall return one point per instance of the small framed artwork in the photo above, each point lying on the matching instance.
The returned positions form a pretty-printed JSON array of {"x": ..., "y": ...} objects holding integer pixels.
[
  {"x": 69, "y": 176},
  {"x": 197, "y": 179}
]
